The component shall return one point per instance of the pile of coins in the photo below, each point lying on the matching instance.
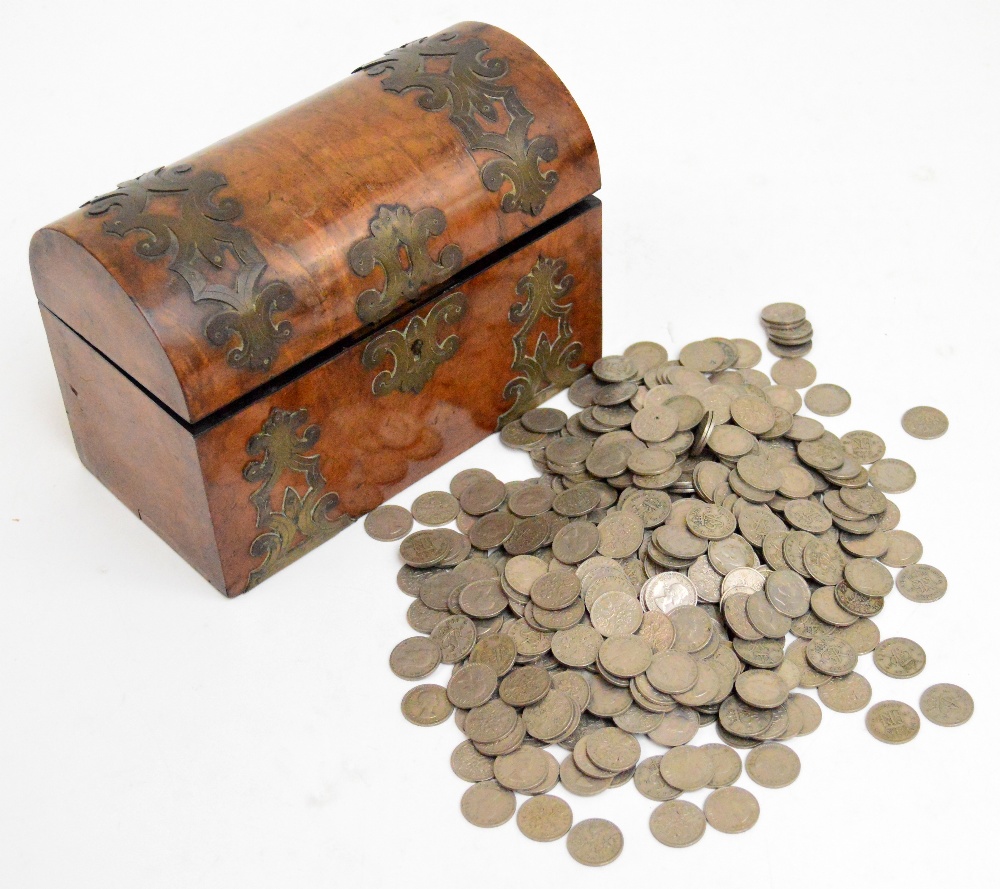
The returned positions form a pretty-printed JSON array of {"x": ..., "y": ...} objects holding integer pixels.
[
  {"x": 685, "y": 521},
  {"x": 789, "y": 333}
]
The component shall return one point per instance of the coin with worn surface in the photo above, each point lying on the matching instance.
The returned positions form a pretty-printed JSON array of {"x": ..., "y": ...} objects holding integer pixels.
[
  {"x": 795, "y": 372},
  {"x": 921, "y": 583},
  {"x": 544, "y": 818},
  {"x": 946, "y": 704},
  {"x": 415, "y": 658},
  {"x": 487, "y": 804},
  {"x": 471, "y": 765},
  {"x": 649, "y": 781},
  {"x": 903, "y": 549},
  {"x": 892, "y": 476},
  {"x": 471, "y": 685},
  {"x": 595, "y": 842},
  {"x": 892, "y": 722},
  {"x": 828, "y": 400},
  {"x": 388, "y": 522},
  {"x": 925, "y": 422},
  {"x": 731, "y": 809},
  {"x": 726, "y": 763},
  {"x": 866, "y": 447},
  {"x": 846, "y": 694},
  {"x": 521, "y": 770},
  {"x": 761, "y": 688},
  {"x": 616, "y": 614},
  {"x": 578, "y": 783},
  {"x": 677, "y": 823},
  {"x": 831, "y": 656},
  {"x": 424, "y": 549},
  {"x": 435, "y": 508},
  {"x": 773, "y": 765},
  {"x": 426, "y": 705},
  {"x": 687, "y": 768},
  {"x": 899, "y": 658},
  {"x": 612, "y": 749}
]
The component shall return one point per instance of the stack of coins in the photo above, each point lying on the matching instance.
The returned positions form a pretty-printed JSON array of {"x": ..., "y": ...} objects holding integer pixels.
[
  {"x": 685, "y": 522},
  {"x": 789, "y": 334}
]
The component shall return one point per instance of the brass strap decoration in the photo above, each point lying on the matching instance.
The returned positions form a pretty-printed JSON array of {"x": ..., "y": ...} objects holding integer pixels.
[
  {"x": 303, "y": 521},
  {"x": 196, "y": 239},
  {"x": 470, "y": 88},
  {"x": 415, "y": 351},
  {"x": 551, "y": 365},
  {"x": 395, "y": 231}
]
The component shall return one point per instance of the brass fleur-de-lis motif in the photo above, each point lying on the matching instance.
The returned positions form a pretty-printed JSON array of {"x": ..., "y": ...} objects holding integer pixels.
[
  {"x": 552, "y": 364},
  {"x": 302, "y": 522},
  {"x": 197, "y": 242},
  {"x": 415, "y": 351},
  {"x": 399, "y": 246},
  {"x": 471, "y": 87}
]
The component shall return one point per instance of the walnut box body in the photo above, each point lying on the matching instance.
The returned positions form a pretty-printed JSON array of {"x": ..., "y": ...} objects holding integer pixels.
[{"x": 266, "y": 340}]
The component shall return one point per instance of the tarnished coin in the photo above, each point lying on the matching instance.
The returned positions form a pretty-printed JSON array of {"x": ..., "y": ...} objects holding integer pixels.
[
  {"x": 782, "y": 314},
  {"x": 773, "y": 765},
  {"x": 521, "y": 770},
  {"x": 578, "y": 783},
  {"x": 679, "y": 726},
  {"x": 435, "y": 508},
  {"x": 487, "y": 804},
  {"x": 612, "y": 749},
  {"x": 471, "y": 685},
  {"x": 471, "y": 765},
  {"x": 761, "y": 688},
  {"x": 687, "y": 768},
  {"x": 677, "y": 823},
  {"x": 831, "y": 656},
  {"x": 899, "y": 658},
  {"x": 828, "y": 400},
  {"x": 543, "y": 419},
  {"x": 426, "y": 705},
  {"x": 424, "y": 549},
  {"x": 946, "y": 704},
  {"x": 921, "y": 583},
  {"x": 649, "y": 781},
  {"x": 732, "y": 809},
  {"x": 388, "y": 522},
  {"x": 415, "y": 658},
  {"x": 616, "y": 614},
  {"x": 795, "y": 372},
  {"x": 866, "y": 447},
  {"x": 726, "y": 762},
  {"x": 483, "y": 496},
  {"x": 868, "y": 577},
  {"x": 892, "y": 722},
  {"x": 892, "y": 476},
  {"x": 904, "y": 549},
  {"x": 846, "y": 694},
  {"x": 544, "y": 818},
  {"x": 925, "y": 422},
  {"x": 672, "y": 672},
  {"x": 595, "y": 842}
]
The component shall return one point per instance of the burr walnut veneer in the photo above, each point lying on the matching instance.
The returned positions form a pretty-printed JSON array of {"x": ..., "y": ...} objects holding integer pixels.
[{"x": 266, "y": 340}]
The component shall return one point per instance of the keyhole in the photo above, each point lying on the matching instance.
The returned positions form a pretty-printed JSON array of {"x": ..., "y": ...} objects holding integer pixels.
[{"x": 416, "y": 347}]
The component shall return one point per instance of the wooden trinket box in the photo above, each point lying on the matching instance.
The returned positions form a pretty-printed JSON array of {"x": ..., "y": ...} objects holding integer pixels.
[{"x": 268, "y": 339}]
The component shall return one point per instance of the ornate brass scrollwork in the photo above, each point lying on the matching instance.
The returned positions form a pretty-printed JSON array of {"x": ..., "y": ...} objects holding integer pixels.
[
  {"x": 395, "y": 231},
  {"x": 551, "y": 365},
  {"x": 415, "y": 351},
  {"x": 471, "y": 88},
  {"x": 197, "y": 240},
  {"x": 303, "y": 521}
]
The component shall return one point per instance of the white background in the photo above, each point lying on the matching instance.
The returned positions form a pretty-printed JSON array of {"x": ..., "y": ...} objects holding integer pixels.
[{"x": 844, "y": 155}]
